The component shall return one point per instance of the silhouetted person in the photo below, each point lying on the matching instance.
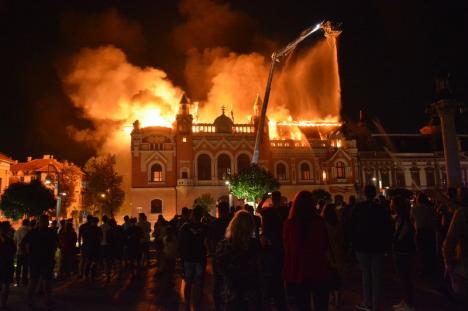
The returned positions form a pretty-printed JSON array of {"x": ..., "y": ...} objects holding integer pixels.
[
  {"x": 238, "y": 258},
  {"x": 7, "y": 257},
  {"x": 91, "y": 236},
  {"x": 192, "y": 239},
  {"x": 306, "y": 269},
  {"x": 455, "y": 249},
  {"x": 272, "y": 251},
  {"x": 336, "y": 250},
  {"x": 145, "y": 226},
  {"x": 41, "y": 244},
  {"x": 83, "y": 230},
  {"x": 217, "y": 231},
  {"x": 134, "y": 238},
  {"x": 371, "y": 232},
  {"x": 403, "y": 251},
  {"x": 22, "y": 265},
  {"x": 105, "y": 254},
  {"x": 116, "y": 240},
  {"x": 68, "y": 250},
  {"x": 423, "y": 214}
]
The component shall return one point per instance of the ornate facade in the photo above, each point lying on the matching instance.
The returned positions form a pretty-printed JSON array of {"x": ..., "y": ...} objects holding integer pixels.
[{"x": 171, "y": 167}]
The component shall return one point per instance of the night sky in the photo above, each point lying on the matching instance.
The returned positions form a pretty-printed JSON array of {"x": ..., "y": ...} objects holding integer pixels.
[{"x": 389, "y": 53}]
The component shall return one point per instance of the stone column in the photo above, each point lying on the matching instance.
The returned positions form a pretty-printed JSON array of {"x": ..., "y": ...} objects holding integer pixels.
[{"x": 446, "y": 111}]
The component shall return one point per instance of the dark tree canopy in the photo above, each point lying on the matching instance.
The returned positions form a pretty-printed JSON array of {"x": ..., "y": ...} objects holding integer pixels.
[
  {"x": 104, "y": 192},
  {"x": 321, "y": 195},
  {"x": 22, "y": 199},
  {"x": 252, "y": 183}
]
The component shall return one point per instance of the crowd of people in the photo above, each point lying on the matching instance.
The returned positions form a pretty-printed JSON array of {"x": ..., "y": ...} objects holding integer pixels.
[{"x": 282, "y": 256}]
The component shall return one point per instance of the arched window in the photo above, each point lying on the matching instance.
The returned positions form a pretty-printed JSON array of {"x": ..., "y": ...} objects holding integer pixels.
[
  {"x": 281, "y": 171},
  {"x": 305, "y": 171},
  {"x": 157, "y": 173},
  {"x": 340, "y": 170},
  {"x": 204, "y": 167},
  {"x": 156, "y": 206},
  {"x": 243, "y": 163},
  {"x": 224, "y": 166}
]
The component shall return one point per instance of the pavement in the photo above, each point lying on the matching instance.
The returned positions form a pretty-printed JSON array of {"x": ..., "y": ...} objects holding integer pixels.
[{"x": 148, "y": 293}]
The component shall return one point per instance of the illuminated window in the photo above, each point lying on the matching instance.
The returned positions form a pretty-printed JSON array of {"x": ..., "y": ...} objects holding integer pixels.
[
  {"x": 340, "y": 170},
  {"x": 184, "y": 139},
  {"x": 305, "y": 171},
  {"x": 204, "y": 167},
  {"x": 281, "y": 171},
  {"x": 156, "y": 173}
]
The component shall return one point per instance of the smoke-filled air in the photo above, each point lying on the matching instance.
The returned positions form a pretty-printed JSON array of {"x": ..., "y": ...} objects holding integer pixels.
[{"x": 113, "y": 93}]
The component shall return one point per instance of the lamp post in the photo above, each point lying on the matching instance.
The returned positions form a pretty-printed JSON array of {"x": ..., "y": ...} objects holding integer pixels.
[{"x": 275, "y": 58}]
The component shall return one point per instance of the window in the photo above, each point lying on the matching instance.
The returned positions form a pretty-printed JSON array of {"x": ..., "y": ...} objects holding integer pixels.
[
  {"x": 400, "y": 177},
  {"x": 204, "y": 167},
  {"x": 184, "y": 175},
  {"x": 369, "y": 176},
  {"x": 156, "y": 206},
  {"x": 340, "y": 170},
  {"x": 224, "y": 167},
  {"x": 430, "y": 180},
  {"x": 305, "y": 171},
  {"x": 385, "y": 177},
  {"x": 415, "y": 176},
  {"x": 243, "y": 163},
  {"x": 281, "y": 171},
  {"x": 156, "y": 173}
]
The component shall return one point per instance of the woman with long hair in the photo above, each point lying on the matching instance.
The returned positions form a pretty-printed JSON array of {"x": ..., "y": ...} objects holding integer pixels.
[
  {"x": 306, "y": 269},
  {"x": 403, "y": 250},
  {"x": 238, "y": 258}
]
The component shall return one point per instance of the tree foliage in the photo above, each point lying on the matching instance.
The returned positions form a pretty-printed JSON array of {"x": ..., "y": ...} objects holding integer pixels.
[
  {"x": 22, "y": 199},
  {"x": 253, "y": 183},
  {"x": 69, "y": 177},
  {"x": 103, "y": 192},
  {"x": 321, "y": 195},
  {"x": 206, "y": 201}
]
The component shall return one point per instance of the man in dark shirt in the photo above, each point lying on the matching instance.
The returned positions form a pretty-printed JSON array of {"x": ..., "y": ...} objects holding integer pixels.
[
  {"x": 92, "y": 237},
  {"x": 192, "y": 238},
  {"x": 217, "y": 230},
  {"x": 41, "y": 244},
  {"x": 371, "y": 233}
]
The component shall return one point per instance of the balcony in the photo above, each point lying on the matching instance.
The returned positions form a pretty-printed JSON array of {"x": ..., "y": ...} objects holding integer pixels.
[{"x": 184, "y": 182}]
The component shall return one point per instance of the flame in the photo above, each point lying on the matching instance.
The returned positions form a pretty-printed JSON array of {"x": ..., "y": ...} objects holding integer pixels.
[{"x": 291, "y": 129}]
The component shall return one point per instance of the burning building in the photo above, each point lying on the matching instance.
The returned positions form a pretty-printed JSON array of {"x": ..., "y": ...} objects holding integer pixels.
[{"x": 172, "y": 166}]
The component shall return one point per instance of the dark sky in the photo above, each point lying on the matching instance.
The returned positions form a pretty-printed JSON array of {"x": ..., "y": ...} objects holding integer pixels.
[{"x": 389, "y": 53}]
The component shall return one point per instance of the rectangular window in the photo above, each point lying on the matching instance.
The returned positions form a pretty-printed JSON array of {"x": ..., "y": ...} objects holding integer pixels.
[{"x": 157, "y": 176}]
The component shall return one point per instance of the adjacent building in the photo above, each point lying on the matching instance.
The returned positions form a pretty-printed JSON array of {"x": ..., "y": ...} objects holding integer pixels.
[
  {"x": 64, "y": 178},
  {"x": 5, "y": 164}
]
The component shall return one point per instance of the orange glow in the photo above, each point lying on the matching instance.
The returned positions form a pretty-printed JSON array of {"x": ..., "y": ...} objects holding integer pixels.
[{"x": 291, "y": 129}]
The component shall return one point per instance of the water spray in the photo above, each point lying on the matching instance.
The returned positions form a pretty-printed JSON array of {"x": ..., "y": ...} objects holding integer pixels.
[{"x": 330, "y": 30}]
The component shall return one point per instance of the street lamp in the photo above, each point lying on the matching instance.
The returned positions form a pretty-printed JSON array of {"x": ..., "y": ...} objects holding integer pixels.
[{"x": 275, "y": 58}]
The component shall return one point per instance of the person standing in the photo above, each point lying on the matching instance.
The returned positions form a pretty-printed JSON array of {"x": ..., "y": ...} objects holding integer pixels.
[
  {"x": 41, "y": 244},
  {"x": 371, "y": 234},
  {"x": 67, "y": 243},
  {"x": 217, "y": 231},
  {"x": 455, "y": 249},
  {"x": 424, "y": 218},
  {"x": 403, "y": 251},
  {"x": 192, "y": 249},
  {"x": 145, "y": 226},
  {"x": 105, "y": 251},
  {"x": 7, "y": 256},
  {"x": 22, "y": 265},
  {"x": 306, "y": 268},
  {"x": 271, "y": 240},
  {"x": 238, "y": 258},
  {"x": 134, "y": 240},
  {"x": 336, "y": 250}
]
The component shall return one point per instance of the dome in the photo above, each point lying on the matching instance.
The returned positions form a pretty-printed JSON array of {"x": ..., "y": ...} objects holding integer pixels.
[{"x": 223, "y": 124}]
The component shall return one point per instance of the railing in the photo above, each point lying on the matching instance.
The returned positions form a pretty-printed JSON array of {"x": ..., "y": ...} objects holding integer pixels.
[{"x": 210, "y": 128}]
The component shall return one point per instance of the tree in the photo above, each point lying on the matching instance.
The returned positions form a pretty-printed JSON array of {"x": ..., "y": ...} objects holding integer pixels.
[
  {"x": 69, "y": 176},
  {"x": 22, "y": 199},
  {"x": 206, "y": 201},
  {"x": 103, "y": 190},
  {"x": 321, "y": 195},
  {"x": 253, "y": 183}
]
